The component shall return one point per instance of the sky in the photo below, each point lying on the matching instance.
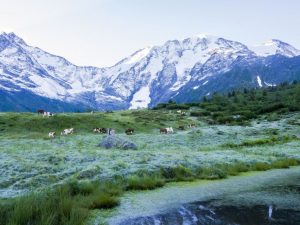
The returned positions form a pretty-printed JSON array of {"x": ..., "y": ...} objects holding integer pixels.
[{"x": 102, "y": 32}]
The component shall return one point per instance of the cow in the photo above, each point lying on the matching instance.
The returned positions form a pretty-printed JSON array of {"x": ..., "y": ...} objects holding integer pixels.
[
  {"x": 129, "y": 131},
  {"x": 52, "y": 134},
  {"x": 48, "y": 114},
  {"x": 67, "y": 131},
  {"x": 182, "y": 113},
  {"x": 163, "y": 131},
  {"x": 192, "y": 125},
  {"x": 40, "y": 111},
  {"x": 100, "y": 130},
  {"x": 103, "y": 130},
  {"x": 97, "y": 130},
  {"x": 170, "y": 130}
]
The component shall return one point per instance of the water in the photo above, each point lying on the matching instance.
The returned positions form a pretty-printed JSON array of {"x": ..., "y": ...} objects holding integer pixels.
[
  {"x": 208, "y": 213},
  {"x": 271, "y": 198}
]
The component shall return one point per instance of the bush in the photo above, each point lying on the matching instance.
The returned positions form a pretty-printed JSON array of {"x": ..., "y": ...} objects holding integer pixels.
[{"x": 177, "y": 106}]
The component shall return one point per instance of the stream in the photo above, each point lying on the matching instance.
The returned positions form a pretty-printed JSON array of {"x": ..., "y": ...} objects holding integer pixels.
[{"x": 270, "y": 197}]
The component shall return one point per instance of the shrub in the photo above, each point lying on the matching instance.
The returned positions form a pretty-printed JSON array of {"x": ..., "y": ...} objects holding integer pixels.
[{"x": 177, "y": 106}]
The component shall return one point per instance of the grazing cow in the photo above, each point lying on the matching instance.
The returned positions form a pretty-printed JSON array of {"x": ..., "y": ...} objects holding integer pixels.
[
  {"x": 48, "y": 114},
  {"x": 129, "y": 131},
  {"x": 163, "y": 131},
  {"x": 103, "y": 130},
  {"x": 51, "y": 134},
  {"x": 97, "y": 130},
  {"x": 111, "y": 131},
  {"x": 181, "y": 128},
  {"x": 170, "y": 130},
  {"x": 40, "y": 111},
  {"x": 192, "y": 125},
  {"x": 100, "y": 130},
  {"x": 67, "y": 131}
]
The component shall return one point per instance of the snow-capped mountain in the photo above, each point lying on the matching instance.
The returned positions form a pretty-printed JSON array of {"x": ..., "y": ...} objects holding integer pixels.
[{"x": 184, "y": 70}]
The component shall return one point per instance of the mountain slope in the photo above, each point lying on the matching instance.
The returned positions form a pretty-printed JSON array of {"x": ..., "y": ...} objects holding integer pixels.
[{"x": 184, "y": 70}]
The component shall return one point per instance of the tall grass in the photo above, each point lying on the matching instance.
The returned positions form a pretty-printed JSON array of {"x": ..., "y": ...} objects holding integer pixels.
[
  {"x": 144, "y": 182},
  {"x": 68, "y": 204}
]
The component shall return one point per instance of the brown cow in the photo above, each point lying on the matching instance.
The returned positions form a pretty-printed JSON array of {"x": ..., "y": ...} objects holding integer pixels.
[
  {"x": 163, "y": 130},
  {"x": 129, "y": 131},
  {"x": 40, "y": 111}
]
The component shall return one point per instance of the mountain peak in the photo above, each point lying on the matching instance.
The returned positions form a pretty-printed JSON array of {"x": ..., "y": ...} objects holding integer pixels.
[
  {"x": 275, "y": 47},
  {"x": 12, "y": 36}
]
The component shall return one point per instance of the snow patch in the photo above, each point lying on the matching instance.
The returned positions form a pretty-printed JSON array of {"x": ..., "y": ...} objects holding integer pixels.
[
  {"x": 270, "y": 85},
  {"x": 141, "y": 99},
  {"x": 47, "y": 87},
  {"x": 259, "y": 81},
  {"x": 138, "y": 56}
]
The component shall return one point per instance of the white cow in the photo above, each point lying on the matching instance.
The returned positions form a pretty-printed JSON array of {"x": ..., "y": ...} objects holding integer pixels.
[
  {"x": 67, "y": 131},
  {"x": 48, "y": 114},
  {"x": 51, "y": 134},
  {"x": 170, "y": 130}
]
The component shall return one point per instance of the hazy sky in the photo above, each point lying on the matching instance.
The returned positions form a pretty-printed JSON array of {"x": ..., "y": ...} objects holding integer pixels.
[{"x": 102, "y": 32}]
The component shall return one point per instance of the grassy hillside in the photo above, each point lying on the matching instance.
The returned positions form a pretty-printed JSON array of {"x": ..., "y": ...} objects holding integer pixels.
[
  {"x": 239, "y": 106},
  {"x": 34, "y": 125}
]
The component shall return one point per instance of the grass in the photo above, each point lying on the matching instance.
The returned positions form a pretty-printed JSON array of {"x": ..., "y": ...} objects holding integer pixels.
[
  {"x": 262, "y": 141},
  {"x": 184, "y": 156},
  {"x": 178, "y": 173},
  {"x": 67, "y": 204},
  {"x": 144, "y": 182},
  {"x": 21, "y": 125},
  {"x": 70, "y": 203}
]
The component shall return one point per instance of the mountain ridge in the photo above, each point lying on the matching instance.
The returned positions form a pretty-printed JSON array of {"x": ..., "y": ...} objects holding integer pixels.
[{"x": 149, "y": 76}]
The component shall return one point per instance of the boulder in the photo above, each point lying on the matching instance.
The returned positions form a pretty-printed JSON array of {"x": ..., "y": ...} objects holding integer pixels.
[{"x": 112, "y": 141}]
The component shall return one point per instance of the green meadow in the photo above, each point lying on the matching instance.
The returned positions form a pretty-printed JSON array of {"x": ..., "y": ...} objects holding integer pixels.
[{"x": 65, "y": 179}]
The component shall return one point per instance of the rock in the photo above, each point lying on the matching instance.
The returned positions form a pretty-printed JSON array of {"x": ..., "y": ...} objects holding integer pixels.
[{"x": 112, "y": 141}]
